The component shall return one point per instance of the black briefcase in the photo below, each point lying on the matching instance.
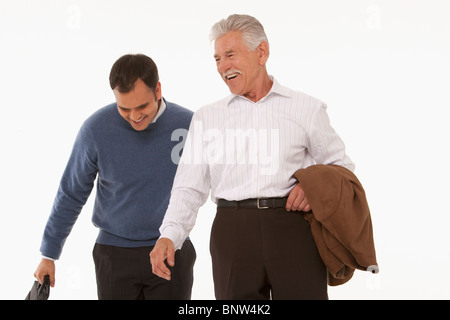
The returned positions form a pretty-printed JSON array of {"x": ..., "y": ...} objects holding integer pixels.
[{"x": 40, "y": 291}]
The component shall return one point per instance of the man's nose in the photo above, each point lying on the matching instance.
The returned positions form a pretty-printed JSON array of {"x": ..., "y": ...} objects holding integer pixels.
[
  {"x": 223, "y": 66},
  {"x": 135, "y": 115}
]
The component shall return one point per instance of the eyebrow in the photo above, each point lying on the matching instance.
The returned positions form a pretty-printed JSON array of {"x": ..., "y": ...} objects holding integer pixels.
[
  {"x": 138, "y": 107},
  {"x": 226, "y": 53}
]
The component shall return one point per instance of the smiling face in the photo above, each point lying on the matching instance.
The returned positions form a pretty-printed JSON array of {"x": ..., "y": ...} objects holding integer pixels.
[
  {"x": 140, "y": 105},
  {"x": 243, "y": 70}
]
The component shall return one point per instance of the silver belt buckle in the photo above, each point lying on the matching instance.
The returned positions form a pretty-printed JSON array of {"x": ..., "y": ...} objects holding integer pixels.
[{"x": 258, "y": 206}]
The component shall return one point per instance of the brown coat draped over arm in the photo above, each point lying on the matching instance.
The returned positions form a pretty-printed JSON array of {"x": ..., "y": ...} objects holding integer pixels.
[{"x": 340, "y": 220}]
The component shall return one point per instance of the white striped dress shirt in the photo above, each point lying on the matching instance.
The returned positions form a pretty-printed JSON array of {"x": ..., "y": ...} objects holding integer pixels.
[{"x": 238, "y": 149}]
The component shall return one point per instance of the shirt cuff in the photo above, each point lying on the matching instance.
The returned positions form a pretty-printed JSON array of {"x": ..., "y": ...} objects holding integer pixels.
[
  {"x": 174, "y": 236},
  {"x": 48, "y": 258}
]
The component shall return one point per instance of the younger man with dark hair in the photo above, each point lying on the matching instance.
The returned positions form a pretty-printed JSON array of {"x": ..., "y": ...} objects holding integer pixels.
[{"x": 128, "y": 146}]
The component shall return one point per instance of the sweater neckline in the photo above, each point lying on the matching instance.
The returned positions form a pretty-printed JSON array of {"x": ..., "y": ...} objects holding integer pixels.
[{"x": 150, "y": 127}]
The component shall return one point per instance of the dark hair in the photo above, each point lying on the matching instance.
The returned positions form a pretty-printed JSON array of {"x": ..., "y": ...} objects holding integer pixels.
[{"x": 129, "y": 68}]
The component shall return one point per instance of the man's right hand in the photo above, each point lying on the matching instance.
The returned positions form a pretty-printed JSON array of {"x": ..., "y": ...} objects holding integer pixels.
[
  {"x": 163, "y": 249},
  {"x": 46, "y": 267}
]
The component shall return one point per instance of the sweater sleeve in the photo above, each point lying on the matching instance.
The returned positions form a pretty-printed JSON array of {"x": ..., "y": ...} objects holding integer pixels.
[{"x": 74, "y": 189}]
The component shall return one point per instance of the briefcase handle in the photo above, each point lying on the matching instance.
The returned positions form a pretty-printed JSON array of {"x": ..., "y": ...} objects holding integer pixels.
[{"x": 45, "y": 284}]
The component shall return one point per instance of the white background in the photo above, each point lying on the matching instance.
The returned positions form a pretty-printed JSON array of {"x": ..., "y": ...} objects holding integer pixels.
[{"x": 381, "y": 66}]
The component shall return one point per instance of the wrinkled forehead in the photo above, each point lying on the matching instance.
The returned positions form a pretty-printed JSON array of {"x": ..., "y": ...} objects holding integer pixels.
[{"x": 231, "y": 41}]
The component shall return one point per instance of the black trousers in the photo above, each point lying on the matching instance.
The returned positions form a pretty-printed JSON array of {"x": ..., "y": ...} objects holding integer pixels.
[
  {"x": 126, "y": 274},
  {"x": 265, "y": 254}
]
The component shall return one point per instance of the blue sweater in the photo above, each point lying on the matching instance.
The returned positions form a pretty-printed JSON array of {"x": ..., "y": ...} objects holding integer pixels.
[{"x": 134, "y": 171}]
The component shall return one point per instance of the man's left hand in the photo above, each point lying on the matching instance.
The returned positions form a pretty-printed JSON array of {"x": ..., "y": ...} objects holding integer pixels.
[{"x": 297, "y": 200}]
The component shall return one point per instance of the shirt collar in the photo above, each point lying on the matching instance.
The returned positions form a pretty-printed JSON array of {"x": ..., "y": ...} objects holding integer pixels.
[
  {"x": 162, "y": 108},
  {"x": 277, "y": 88}
]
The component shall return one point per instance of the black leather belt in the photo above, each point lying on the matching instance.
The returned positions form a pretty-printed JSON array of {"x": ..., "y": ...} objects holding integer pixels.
[{"x": 264, "y": 203}]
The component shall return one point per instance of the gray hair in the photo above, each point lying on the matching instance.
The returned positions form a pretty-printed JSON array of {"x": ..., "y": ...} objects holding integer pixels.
[{"x": 252, "y": 30}]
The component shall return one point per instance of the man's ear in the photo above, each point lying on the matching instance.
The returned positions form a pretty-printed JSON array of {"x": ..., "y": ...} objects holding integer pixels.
[
  {"x": 263, "y": 51},
  {"x": 158, "y": 92}
]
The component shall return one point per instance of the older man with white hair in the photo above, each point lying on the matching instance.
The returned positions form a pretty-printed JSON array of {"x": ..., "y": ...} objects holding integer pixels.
[{"x": 245, "y": 149}]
